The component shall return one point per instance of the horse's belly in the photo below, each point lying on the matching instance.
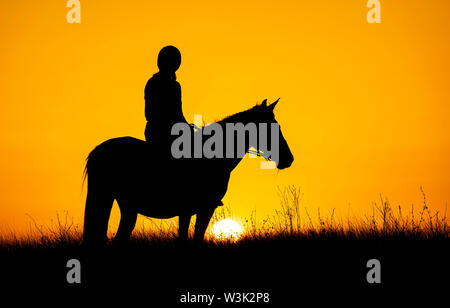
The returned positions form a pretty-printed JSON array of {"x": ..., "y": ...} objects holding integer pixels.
[
  {"x": 170, "y": 194},
  {"x": 157, "y": 214}
]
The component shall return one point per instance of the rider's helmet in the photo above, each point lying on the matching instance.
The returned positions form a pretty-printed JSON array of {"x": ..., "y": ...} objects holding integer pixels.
[{"x": 169, "y": 59}]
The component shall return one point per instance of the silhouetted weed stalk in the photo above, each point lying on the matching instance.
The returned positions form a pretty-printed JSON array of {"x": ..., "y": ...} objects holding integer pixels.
[
  {"x": 384, "y": 222},
  {"x": 289, "y": 221},
  {"x": 61, "y": 233}
]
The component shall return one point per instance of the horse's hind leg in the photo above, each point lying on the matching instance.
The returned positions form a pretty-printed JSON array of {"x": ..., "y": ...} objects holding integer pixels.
[
  {"x": 203, "y": 218},
  {"x": 127, "y": 223},
  {"x": 183, "y": 227},
  {"x": 96, "y": 216}
]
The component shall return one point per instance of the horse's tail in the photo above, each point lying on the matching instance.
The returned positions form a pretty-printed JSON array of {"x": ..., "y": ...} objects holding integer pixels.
[
  {"x": 99, "y": 198},
  {"x": 85, "y": 171}
]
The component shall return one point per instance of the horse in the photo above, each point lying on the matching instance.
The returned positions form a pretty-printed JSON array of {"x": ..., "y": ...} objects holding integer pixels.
[{"x": 126, "y": 169}]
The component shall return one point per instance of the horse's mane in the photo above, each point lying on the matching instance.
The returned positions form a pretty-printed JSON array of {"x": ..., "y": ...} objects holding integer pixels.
[{"x": 241, "y": 116}]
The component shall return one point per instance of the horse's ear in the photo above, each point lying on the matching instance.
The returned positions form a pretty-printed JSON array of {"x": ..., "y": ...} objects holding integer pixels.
[
  {"x": 272, "y": 106},
  {"x": 264, "y": 103}
]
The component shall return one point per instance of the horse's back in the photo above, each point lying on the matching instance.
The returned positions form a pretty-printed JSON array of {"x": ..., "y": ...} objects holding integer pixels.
[
  {"x": 124, "y": 145},
  {"x": 120, "y": 147}
]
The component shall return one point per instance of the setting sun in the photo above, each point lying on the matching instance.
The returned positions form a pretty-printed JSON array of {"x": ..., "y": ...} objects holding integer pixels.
[{"x": 227, "y": 229}]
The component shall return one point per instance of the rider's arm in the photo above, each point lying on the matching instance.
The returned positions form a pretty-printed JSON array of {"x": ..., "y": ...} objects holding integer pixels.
[{"x": 179, "y": 109}]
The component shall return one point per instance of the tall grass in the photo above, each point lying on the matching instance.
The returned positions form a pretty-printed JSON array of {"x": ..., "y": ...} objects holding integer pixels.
[
  {"x": 384, "y": 222},
  {"x": 289, "y": 221},
  {"x": 61, "y": 233}
]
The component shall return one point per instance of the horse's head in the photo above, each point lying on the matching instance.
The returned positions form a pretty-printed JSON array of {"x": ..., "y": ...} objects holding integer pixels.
[{"x": 264, "y": 114}]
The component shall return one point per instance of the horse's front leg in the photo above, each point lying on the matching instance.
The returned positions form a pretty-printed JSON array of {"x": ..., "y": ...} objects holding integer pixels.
[
  {"x": 183, "y": 227},
  {"x": 127, "y": 223},
  {"x": 203, "y": 218}
]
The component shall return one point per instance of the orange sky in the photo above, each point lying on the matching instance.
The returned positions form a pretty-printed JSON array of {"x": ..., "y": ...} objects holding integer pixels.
[{"x": 364, "y": 107}]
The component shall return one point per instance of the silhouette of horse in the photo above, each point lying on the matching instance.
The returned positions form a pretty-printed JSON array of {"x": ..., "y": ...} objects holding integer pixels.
[{"x": 125, "y": 169}]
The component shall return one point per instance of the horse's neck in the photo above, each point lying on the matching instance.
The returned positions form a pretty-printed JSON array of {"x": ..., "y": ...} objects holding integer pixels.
[{"x": 244, "y": 117}]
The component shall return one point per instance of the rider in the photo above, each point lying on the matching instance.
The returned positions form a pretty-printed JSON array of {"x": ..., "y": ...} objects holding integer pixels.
[
  {"x": 163, "y": 100},
  {"x": 163, "y": 103}
]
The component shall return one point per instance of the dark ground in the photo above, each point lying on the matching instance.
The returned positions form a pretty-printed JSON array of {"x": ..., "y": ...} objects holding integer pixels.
[{"x": 290, "y": 270}]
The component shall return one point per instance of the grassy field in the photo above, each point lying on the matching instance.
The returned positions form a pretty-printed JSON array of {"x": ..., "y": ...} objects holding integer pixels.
[
  {"x": 284, "y": 254},
  {"x": 289, "y": 222}
]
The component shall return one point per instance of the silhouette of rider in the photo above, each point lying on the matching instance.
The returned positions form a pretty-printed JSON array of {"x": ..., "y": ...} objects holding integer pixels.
[{"x": 163, "y": 101}]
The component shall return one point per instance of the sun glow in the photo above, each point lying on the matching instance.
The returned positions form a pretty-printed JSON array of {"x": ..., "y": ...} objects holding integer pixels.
[{"x": 227, "y": 229}]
